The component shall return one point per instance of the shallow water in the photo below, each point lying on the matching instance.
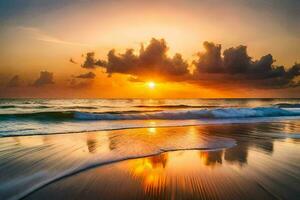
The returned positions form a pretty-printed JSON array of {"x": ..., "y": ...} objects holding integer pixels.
[{"x": 258, "y": 160}]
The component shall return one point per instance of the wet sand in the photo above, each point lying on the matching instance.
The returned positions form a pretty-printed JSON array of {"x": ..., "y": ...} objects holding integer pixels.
[{"x": 233, "y": 161}]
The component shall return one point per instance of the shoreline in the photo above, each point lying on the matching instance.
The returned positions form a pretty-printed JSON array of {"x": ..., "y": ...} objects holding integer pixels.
[{"x": 25, "y": 159}]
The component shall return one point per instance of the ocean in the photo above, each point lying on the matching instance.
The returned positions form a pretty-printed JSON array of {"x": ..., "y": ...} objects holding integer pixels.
[
  {"x": 149, "y": 148},
  {"x": 53, "y": 116}
]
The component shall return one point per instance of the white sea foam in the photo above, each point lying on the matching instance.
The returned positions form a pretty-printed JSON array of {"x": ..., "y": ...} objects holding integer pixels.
[
  {"x": 193, "y": 114},
  {"x": 37, "y": 116}
]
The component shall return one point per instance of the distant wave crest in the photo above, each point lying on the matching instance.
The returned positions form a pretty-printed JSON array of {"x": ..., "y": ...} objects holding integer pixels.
[
  {"x": 288, "y": 105},
  {"x": 193, "y": 114},
  {"x": 218, "y": 113},
  {"x": 175, "y": 106}
]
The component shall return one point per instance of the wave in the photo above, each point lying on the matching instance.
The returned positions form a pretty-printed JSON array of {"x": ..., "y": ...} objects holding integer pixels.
[
  {"x": 7, "y": 106},
  {"x": 224, "y": 113},
  {"x": 43, "y": 107},
  {"x": 175, "y": 106},
  {"x": 23, "y": 107},
  {"x": 55, "y": 115},
  {"x": 68, "y": 115},
  {"x": 288, "y": 105}
]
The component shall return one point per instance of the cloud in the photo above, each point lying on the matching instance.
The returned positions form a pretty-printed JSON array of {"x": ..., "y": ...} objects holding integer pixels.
[
  {"x": 89, "y": 75},
  {"x": 236, "y": 66},
  {"x": 209, "y": 61},
  {"x": 72, "y": 61},
  {"x": 14, "y": 81},
  {"x": 211, "y": 67},
  {"x": 80, "y": 84},
  {"x": 90, "y": 61},
  {"x": 150, "y": 61},
  {"x": 45, "y": 78},
  {"x": 40, "y": 35}
]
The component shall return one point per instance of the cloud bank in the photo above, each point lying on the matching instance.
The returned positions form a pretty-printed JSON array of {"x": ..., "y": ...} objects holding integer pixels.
[
  {"x": 237, "y": 65},
  {"x": 80, "y": 84},
  {"x": 151, "y": 60},
  {"x": 212, "y": 67},
  {"x": 82, "y": 81},
  {"x": 89, "y": 75},
  {"x": 90, "y": 61},
  {"x": 45, "y": 78}
]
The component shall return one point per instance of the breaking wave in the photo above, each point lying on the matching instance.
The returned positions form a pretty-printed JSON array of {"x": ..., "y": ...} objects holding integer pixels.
[
  {"x": 288, "y": 105},
  {"x": 175, "y": 106},
  {"x": 218, "y": 113}
]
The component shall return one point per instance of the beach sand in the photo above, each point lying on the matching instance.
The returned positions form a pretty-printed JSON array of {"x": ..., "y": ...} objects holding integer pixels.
[{"x": 232, "y": 161}]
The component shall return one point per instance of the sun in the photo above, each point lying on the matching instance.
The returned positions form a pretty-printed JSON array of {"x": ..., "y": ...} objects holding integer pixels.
[{"x": 151, "y": 84}]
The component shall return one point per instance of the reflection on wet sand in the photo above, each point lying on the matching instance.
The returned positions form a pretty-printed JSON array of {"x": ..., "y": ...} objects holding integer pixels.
[
  {"x": 27, "y": 163},
  {"x": 91, "y": 142},
  {"x": 211, "y": 158},
  {"x": 150, "y": 170},
  {"x": 181, "y": 175}
]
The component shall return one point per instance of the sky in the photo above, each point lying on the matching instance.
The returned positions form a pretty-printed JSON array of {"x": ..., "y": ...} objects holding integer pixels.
[{"x": 114, "y": 49}]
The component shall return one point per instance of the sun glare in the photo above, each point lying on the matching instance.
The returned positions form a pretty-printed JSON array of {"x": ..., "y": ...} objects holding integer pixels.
[{"x": 151, "y": 84}]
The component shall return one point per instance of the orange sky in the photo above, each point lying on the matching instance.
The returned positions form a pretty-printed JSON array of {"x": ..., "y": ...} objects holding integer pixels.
[{"x": 43, "y": 37}]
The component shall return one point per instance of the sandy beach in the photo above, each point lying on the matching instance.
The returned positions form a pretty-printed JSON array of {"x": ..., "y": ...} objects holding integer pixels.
[{"x": 229, "y": 161}]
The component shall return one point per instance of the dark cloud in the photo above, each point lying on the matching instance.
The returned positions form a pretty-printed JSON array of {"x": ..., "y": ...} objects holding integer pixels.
[
  {"x": 210, "y": 60},
  {"x": 80, "y": 84},
  {"x": 151, "y": 60},
  {"x": 236, "y": 60},
  {"x": 236, "y": 66},
  {"x": 212, "y": 67},
  {"x": 45, "y": 78},
  {"x": 90, "y": 61},
  {"x": 89, "y": 75},
  {"x": 72, "y": 61},
  {"x": 14, "y": 82},
  {"x": 81, "y": 81}
]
